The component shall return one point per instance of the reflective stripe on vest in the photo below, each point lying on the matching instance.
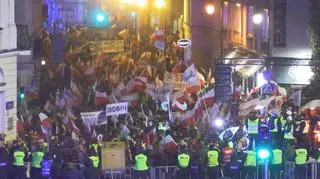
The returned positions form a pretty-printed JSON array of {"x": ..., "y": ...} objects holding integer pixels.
[
  {"x": 301, "y": 156},
  {"x": 95, "y": 161},
  {"x": 277, "y": 156},
  {"x": 183, "y": 160},
  {"x": 251, "y": 159},
  {"x": 18, "y": 158},
  {"x": 253, "y": 126},
  {"x": 213, "y": 156},
  {"x": 36, "y": 159},
  {"x": 141, "y": 162}
]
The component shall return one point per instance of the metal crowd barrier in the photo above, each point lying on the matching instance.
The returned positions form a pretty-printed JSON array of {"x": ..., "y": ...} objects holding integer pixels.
[{"x": 287, "y": 171}]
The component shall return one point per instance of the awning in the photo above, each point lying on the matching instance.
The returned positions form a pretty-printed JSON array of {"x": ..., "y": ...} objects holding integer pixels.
[{"x": 246, "y": 62}]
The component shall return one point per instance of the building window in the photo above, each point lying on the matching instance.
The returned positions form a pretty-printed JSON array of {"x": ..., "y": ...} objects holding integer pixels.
[
  {"x": 250, "y": 20},
  {"x": 279, "y": 23},
  {"x": 225, "y": 13},
  {"x": 265, "y": 23}
]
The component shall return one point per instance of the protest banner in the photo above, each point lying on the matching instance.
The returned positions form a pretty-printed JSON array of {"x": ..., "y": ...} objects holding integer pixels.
[
  {"x": 90, "y": 118},
  {"x": 116, "y": 109}
]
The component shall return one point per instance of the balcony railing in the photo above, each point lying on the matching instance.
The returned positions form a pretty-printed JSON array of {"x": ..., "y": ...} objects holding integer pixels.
[{"x": 24, "y": 39}]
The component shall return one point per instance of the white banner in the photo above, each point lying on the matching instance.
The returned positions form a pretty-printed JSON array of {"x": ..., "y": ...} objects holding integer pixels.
[
  {"x": 90, "y": 118},
  {"x": 116, "y": 109}
]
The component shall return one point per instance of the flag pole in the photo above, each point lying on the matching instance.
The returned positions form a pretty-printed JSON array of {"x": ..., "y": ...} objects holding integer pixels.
[{"x": 205, "y": 105}]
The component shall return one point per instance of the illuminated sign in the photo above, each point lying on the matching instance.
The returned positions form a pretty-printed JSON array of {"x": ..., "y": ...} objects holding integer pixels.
[{"x": 184, "y": 43}]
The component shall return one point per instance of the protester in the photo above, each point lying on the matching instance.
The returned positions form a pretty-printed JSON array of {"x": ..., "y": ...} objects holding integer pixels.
[{"x": 172, "y": 117}]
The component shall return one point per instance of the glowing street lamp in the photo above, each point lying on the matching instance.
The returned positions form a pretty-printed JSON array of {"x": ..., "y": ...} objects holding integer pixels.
[
  {"x": 100, "y": 17},
  {"x": 210, "y": 9},
  {"x": 141, "y": 3},
  {"x": 159, "y": 3},
  {"x": 257, "y": 18}
]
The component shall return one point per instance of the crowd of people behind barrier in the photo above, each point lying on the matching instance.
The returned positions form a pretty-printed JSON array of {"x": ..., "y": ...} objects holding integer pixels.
[{"x": 50, "y": 126}]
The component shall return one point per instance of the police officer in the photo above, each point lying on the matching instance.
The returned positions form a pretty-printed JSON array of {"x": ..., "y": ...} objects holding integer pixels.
[
  {"x": 252, "y": 125},
  {"x": 94, "y": 145},
  {"x": 36, "y": 160},
  {"x": 276, "y": 127},
  {"x": 250, "y": 163},
  {"x": 183, "y": 163},
  {"x": 301, "y": 154},
  {"x": 276, "y": 163},
  {"x": 141, "y": 169},
  {"x": 212, "y": 161},
  {"x": 92, "y": 170},
  {"x": 4, "y": 157},
  {"x": 18, "y": 169}
]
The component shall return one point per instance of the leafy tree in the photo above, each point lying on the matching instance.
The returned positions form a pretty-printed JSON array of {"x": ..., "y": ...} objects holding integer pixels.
[{"x": 312, "y": 91}]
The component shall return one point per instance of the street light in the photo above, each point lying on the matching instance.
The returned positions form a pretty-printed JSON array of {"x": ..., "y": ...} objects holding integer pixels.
[
  {"x": 141, "y": 3},
  {"x": 159, "y": 3},
  {"x": 210, "y": 9},
  {"x": 100, "y": 17},
  {"x": 257, "y": 18}
]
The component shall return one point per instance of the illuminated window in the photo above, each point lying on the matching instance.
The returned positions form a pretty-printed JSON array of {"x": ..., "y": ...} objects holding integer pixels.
[{"x": 225, "y": 13}]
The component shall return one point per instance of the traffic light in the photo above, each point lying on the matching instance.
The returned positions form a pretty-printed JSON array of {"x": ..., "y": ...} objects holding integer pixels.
[{"x": 21, "y": 93}]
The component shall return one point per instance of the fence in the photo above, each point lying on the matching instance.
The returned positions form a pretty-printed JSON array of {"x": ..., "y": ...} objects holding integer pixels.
[{"x": 287, "y": 171}]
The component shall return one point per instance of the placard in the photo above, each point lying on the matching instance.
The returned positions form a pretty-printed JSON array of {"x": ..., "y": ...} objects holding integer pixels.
[{"x": 116, "y": 109}]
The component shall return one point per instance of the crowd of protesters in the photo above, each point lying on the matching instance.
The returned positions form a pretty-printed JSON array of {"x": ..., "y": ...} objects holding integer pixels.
[{"x": 159, "y": 130}]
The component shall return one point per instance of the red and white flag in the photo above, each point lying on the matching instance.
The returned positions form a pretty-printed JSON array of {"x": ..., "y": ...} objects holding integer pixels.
[
  {"x": 151, "y": 137},
  {"x": 178, "y": 103},
  {"x": 187, "y": 118},
  {"x": 45, "y": 121},
  {"x": 169, "y": 144},
  {"x": 209, "y": 98},
  {"x": 101, "y": 98},
  {"x": 194, "y": 79}
]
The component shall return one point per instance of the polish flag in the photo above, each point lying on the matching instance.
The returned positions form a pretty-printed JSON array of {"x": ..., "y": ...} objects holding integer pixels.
[
  {"x": 178, "y": 102},
  {"x": 198, "y": 109},
  {"x": 45, "y": 121},
  {"x": 194, "y": 79},
  {"x": 150, "y": 137},
  {"x": 187, "y": 118},
  {"x": 101, "y": 98},
  {"x": 169, "y": 144},
  {"x": 209, "y": 98}
]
